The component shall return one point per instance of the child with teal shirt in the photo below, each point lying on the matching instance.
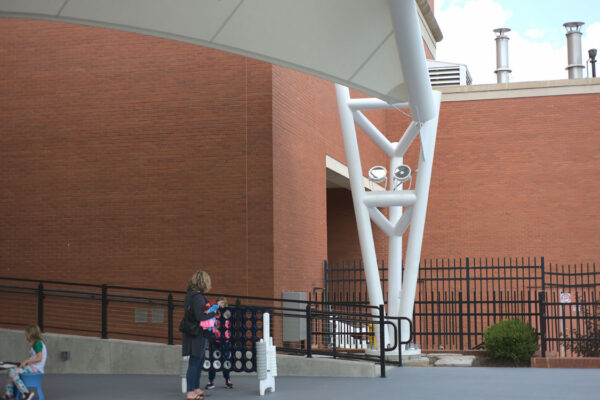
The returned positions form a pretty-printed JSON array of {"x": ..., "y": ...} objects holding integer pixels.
[{"x": 34, "y": 364}]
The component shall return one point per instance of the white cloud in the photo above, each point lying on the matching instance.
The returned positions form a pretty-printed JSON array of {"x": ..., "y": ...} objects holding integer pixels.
[
  {"x": 534, "y": 33},
  {"x": 536, "y": 61},
  {"x": 469, "y": 39},
  {"x": 468, "y": 36}
]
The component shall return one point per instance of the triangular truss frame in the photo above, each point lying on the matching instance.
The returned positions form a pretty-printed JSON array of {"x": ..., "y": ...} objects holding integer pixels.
[{"x": 406, "y": 207}]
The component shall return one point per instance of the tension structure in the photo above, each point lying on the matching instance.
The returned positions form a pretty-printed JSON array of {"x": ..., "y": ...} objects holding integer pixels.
[{"x": 374, "y": 46}]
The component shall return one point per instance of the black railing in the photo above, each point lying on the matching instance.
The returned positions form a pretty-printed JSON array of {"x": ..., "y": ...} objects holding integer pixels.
[
  {"x": 332, "y": 328},
  {"x": 85, "y": 308},
  {"x": 570, "y": 329},
  {"x": 483, "y": 291},
  {"x": 457, "y": 299}
]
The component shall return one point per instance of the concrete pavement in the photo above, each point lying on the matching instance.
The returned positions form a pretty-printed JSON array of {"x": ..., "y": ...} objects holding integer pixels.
[{"x": 401, "y": 383}]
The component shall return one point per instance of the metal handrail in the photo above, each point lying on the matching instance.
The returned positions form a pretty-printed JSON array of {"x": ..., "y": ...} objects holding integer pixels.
[{"x": 315, "y": 310}]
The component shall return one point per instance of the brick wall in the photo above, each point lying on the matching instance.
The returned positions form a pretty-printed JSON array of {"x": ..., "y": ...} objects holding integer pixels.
[
  {"x": 305, "y": 130},
  {"x": 515, "y": 177},
  {"x": 342, "y": 235},
  {"x": 133, "y": 160}
]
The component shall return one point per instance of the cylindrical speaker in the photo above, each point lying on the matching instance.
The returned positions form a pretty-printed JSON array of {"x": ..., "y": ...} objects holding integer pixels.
[
  {"x": 184, "y": 365},
  {"x": 273, "y": 357},
  {"x": 261, "y": 360}
]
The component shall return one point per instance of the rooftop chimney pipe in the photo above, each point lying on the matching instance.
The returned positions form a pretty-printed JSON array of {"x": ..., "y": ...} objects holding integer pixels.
[
  {"x": 502, "y": 71},
  {"x": 574, "y": 34},
  {"x": 592, "y": 53}
]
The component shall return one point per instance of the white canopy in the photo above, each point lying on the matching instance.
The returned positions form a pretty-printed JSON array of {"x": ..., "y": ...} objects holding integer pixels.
[{"x": 352, "y": 42}]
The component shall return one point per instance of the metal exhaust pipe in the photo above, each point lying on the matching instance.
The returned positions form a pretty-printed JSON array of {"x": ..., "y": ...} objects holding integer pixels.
[
  {"x": 502, "y": 71},
  {"x": 574, "y": 34},
  {"x": 592, "y": 53}
]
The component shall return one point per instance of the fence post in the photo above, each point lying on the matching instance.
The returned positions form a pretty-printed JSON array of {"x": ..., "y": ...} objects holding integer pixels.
[
  {"x": 326, "y": 279},
  {"x": 542, "y": 300},
  {"x": 40, "y": 306},
  {"x": 382, "y": 340},
  {"x": 543, "y": 276},
  {"x": 468, "y": 305},
  {"x": 104, "y": 333},
  {"x": 170, "y": 317},
  {"x": 308, "y": 331},
  {"x": 399, "y": 339},
  {"x": 334, "y": 336},
  {"x": 325, "y": 298},
  {"x": 460, "y": 320}
]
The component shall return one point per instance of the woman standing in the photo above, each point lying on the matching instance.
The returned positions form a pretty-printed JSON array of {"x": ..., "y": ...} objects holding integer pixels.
[{"x": 195, "y": 346}]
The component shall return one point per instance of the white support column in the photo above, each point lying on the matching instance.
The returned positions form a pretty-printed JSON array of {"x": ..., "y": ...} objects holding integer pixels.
[
  {"x": 401, "y": 290},
  {"x": 369, "y": 103},
  {"x": 394, "y": 253},
  {"x": 381, "y": 221},
  {"x": 403, "y": 223},
  {"x": 363, "y": 220},
  {"x": 374, "y": 133},
  {"x": 412, "y": 58},
  {"x": 407, "y": 139},
  {"x": 424, "y": 106},
  {"x": 390, "y": 199},
  {"x": 417, "y": 224}
]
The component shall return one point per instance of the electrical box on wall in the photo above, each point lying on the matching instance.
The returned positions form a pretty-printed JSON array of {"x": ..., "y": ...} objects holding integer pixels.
[{"x": 294, "y": 328}]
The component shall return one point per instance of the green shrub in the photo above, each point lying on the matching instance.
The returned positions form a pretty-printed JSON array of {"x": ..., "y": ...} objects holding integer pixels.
[{"x": 511, "y": 339}]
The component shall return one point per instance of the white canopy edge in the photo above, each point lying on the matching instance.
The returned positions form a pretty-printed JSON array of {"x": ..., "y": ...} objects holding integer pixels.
[{"x": 372, "y": 46}]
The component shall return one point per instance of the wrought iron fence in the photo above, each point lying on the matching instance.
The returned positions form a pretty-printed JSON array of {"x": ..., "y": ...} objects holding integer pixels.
[
  {"x": 572, "y": 310},
  {"x": 459, "y": 298}
]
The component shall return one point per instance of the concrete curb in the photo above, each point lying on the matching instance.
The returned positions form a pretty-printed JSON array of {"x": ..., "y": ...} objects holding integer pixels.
[
  {"x": 568, "y": 362},
  {"x": 90, "y": 355}
]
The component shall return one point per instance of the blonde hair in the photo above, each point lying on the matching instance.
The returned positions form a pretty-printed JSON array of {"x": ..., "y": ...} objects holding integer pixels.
[
  {"x": 200, "y": 282},
  {"x": 34, "y": 333}
]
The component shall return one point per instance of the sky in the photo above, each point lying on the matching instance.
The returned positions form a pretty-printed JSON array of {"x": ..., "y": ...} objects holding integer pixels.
[{"x": 537, "y": 46}]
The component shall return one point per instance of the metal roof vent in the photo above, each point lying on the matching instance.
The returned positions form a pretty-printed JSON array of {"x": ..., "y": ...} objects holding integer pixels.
[
  {"x": 448, "y": 74},
  {"x": 574, "y": 34},
  {"x": 592, "y": 60},
  {"x": 502, "y": 71}
]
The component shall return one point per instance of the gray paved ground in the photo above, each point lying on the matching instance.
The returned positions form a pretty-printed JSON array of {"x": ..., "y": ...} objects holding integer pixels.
[{"x": 402, "y": 383}]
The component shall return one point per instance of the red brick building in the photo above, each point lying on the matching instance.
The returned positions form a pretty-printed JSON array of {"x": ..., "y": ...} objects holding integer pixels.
[
  {"x": 129, "y": 159},
  {"x": 516, "y": 172}
]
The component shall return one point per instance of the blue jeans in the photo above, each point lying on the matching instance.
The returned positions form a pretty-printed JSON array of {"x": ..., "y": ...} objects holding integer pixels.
[
  {"x": 225, "y": 349},
  {"x": 195, "y": 365}
]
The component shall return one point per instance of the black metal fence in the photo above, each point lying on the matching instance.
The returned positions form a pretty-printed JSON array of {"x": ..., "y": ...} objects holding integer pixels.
[
  {"x": 572, "y": 310},
  {"x": 330, "y": 328},
  {"x": 457, "y": 299}
]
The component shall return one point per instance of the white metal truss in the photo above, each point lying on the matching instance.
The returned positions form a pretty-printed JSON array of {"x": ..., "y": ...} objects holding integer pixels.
[{"x": 406, "y": 207}]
